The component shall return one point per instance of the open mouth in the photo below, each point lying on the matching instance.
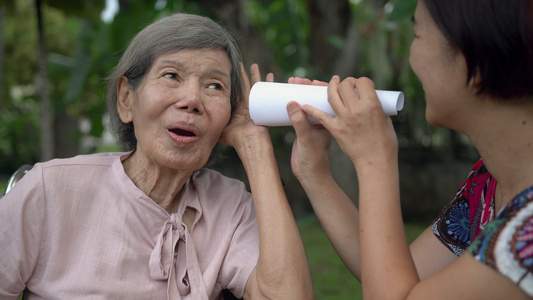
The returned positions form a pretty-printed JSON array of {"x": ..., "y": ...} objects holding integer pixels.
[{"x": 182, "y": 132}]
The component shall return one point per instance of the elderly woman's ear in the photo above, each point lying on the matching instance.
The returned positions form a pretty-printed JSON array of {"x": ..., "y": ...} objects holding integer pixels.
[{"x": 124, "y": 100}]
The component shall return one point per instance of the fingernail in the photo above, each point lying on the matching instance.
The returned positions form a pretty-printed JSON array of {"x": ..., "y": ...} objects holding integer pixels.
[{"x": 292, "y": 107}]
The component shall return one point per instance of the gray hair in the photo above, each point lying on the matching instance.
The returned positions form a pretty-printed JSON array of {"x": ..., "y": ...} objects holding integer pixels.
[{"x": 173, "y": 33}]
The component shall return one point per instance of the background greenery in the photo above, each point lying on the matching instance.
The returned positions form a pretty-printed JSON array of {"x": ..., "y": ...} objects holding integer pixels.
[
  {"x": 55, "y": 55},
  {"x": 331, "y": 278}
]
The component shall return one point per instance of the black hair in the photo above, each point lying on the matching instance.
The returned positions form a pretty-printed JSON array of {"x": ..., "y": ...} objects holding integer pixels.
[{"x": 496, "y": 38}]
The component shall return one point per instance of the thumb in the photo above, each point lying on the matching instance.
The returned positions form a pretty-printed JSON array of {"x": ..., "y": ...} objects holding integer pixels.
[{"x": 298, "y": 119}]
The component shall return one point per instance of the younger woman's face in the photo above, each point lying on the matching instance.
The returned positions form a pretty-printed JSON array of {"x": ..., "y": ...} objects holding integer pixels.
[{"x": 441, "y": 69}]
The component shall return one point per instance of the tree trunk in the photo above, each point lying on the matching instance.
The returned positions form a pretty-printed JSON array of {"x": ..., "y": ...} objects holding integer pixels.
[
  {"x": 231, "y": 14},
  {"x": 46, "y": 114},
  {"x": 329, "y": 19},
  {"x": 1, "y": 54}
]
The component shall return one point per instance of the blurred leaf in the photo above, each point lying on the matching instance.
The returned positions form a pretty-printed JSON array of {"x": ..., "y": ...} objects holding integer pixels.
[
  {"x": 132, "y": 17},
  {"x": 7, "y": 3},
  {"x": 87, "y": 9},
  {"x": 80, "y": 69},
  {"x": 403, "y": 9},
  {"x": 285, "y": 30},
  {"x": 97, "y": 126}
]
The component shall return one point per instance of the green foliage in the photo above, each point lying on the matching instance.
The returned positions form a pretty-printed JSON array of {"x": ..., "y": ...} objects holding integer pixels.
[
  {"x": 284, "y": 27},
  {"x": 3, "y": 186},
  {"x": 20, "y": 44},
  {"x": 87, "y": 9},
  {"x": 18, "y": 128},
  {"x": 402, "y": 9},
  {"x": 331, "y": 278},
  {"x": 69, "y": 65},
  {"x": 82, "y": 49}
]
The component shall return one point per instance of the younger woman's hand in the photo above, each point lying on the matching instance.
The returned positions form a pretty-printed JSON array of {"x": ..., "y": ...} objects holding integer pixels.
[
  {"x": 299, "y": 80},
  {"x": 310, "y": 150},
  {"x": 360, "y": 126}
]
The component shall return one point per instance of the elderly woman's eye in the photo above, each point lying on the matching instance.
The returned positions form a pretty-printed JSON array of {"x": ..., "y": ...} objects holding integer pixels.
[
  {"x": 171, "y": 75},
  {"x": 215, "y": 86}
]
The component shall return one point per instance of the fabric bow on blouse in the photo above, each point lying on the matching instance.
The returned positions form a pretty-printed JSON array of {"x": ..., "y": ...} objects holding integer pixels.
[{"x": 175, "y": 245}]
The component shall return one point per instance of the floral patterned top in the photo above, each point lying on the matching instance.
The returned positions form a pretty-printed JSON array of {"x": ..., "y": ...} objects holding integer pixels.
[
  {"x": 504, "y": 242},
  {"x": 463, "y": 219}
]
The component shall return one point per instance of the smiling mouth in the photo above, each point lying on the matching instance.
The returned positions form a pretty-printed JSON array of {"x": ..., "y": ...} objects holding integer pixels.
[{"x": 183, "y": 132}]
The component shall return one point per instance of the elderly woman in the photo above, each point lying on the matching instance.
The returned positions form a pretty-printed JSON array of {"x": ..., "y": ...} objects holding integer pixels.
[{"x": 151, "y": 223}]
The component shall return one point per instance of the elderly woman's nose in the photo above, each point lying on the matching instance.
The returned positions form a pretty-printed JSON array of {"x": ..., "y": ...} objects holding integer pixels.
[{"x": 190, "y": 97}]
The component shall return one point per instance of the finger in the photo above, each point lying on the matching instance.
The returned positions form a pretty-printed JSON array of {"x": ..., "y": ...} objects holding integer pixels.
[
  {"x": 320, "y": 83},
  {"x": 298, "y": 80},
  {"x": 270, "y": 77},
  {"x": 324, "y": 118},
  {"x": 245, "y": 85},
  {"x": 366, "y": 88},
  {"x": 334, "y": 99},
  {"x": 367, "y": 80},
  {"x": 367, "y": 93},
  {"x": 299, "y": 120},
  {"x": 255, "y": 73},
  {"x": 244, "y": 79},
  {"x": 347, "y": 93}
]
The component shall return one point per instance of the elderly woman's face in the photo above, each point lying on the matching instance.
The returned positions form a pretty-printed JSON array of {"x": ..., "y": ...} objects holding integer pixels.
[{"x": 180, "y": 108}]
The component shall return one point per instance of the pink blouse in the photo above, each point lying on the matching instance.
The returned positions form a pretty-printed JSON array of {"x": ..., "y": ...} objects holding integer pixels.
[{"x": 79, "y": 228}]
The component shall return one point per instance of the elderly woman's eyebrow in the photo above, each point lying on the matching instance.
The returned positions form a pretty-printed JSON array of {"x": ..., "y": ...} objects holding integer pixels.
[
  {"x": 173, "y": 63},
  {"x": 180, "y": 65},
  {"x": 216, "y": 71}
]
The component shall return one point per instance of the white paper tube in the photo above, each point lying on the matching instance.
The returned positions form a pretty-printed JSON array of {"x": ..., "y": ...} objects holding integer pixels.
[{"x": 268, "y": 101}]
